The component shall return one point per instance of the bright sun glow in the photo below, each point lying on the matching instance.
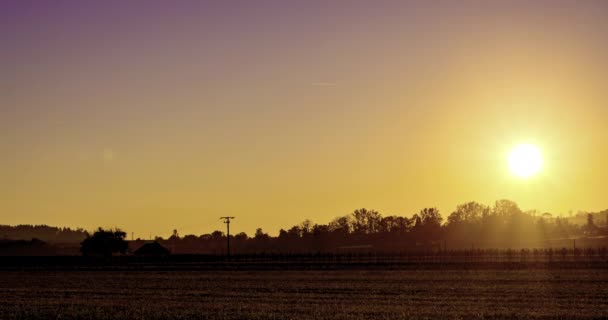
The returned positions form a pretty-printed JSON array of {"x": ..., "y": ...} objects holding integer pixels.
[{"x": 525, "y": 160}]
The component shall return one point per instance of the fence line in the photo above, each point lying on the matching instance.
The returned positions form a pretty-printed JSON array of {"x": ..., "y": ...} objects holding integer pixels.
[{"x": 442, "y": 256}]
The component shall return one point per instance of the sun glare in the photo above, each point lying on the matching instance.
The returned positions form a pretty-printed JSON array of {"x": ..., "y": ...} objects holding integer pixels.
[{"x": 525, "y": 160}]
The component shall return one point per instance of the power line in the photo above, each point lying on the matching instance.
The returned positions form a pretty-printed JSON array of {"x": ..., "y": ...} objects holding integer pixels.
[{"x": 227, "y": 222}]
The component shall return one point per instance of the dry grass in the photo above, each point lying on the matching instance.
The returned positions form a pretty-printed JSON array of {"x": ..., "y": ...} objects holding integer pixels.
[{"x": 445, "y": 294}]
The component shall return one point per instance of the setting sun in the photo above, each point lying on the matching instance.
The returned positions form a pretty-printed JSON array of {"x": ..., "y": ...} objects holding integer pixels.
[{"x": 525, "y": 160}]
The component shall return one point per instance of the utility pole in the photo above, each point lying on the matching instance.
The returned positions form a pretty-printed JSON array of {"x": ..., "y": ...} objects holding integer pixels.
[{"x": 227, "y": 222}]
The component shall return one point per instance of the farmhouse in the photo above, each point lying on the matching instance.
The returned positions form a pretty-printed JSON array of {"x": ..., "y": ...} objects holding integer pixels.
[{"x": 152, "y": 249}]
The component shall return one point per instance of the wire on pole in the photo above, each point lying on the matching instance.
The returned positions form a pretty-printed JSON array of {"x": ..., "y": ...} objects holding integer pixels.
[{"x": 227, "y": 222}]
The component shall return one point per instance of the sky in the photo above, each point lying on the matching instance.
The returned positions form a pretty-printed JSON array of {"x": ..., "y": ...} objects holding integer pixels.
[{"x": 159, "y": 115}]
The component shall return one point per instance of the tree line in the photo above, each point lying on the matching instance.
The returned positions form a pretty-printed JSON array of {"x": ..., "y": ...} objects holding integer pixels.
[
  {"x": 42, "y": 232},
  {"x": 472, "y": 224}
]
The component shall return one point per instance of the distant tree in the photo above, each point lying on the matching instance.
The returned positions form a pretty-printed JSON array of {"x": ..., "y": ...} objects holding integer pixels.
[
  {"x": 190, "y": 238},
  {"x": 306, "y": 227},
  {"x": 217, "y": 235},
  {"x": 590, "y": 228},
  {"x": 428, "y": 224},
  {"x": 402, "y": 225},
  {"x": 105, "y": 243},
  {"x": 205, "y": 237},
  {"x": 295, "y": 232},
  {"x": 340, "y": 225},
  {"x": 241, "y": 236},
  {"x": 506, "y": 209},
  {"x": 174, "y": 235},
  {"x": 43, "y": 232},
  {"x": 387, "y": 224},
  {"x": 417, "y": 221},
  {"x": 470, "y": 212},
  {"x": 366, "y": 221},
  {"x": 320, "y": 229},
  {"x": 431, "y": 217},
  {"x": 260, "y": 235},
  {"x": 395, "y": 224},
  {"x": 283, "y": 234}
]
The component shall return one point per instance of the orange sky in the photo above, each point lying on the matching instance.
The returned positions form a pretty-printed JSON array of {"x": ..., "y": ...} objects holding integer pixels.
[{"x": 158, "y": 117}]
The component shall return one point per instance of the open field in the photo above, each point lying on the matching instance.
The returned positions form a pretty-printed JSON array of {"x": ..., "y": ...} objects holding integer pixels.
[{"x": 339, "y": 294}]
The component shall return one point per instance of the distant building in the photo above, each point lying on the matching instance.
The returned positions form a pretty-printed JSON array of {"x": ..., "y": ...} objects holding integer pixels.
[{"x": 152, "y": 249}]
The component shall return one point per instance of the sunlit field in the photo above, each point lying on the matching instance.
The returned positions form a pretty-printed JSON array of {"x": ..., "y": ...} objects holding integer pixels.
[{"x": 352, "y": 294}]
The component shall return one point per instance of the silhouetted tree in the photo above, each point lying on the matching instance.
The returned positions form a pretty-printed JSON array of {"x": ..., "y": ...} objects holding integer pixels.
[
  {"x": 319, "y": 230},
  {"x": 242, "y": 236},
  {"x": 341, "y": 225},
  {"x": 105, "y": 243},
  {"x": 295, "y": 232},
  {"x": 306, "y": 227},
  {"x": 470, "y": 224},
  {"x": 366, "y": 221},
  {"x": 431, "y": 217},
  {"x": 506, "y": 208},
  {"x": 417, "y": 221},
  {"x": 429, "y": 226},
  {"x": 174, "y": 235},
  {"x": 590, "y": 228},
  {"x": 217, "y": 235},
  {"x": 470, "y": 212},
  {"x": 261, "y": 235},
  {"x": 44, "y": 233}
]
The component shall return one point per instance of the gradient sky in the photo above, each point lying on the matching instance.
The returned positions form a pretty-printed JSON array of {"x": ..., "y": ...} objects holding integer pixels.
[{"x": 155, "y": 115}]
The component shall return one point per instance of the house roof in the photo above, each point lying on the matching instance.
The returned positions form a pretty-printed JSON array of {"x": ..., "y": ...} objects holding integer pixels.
[{"x": 152, "y": 249}]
